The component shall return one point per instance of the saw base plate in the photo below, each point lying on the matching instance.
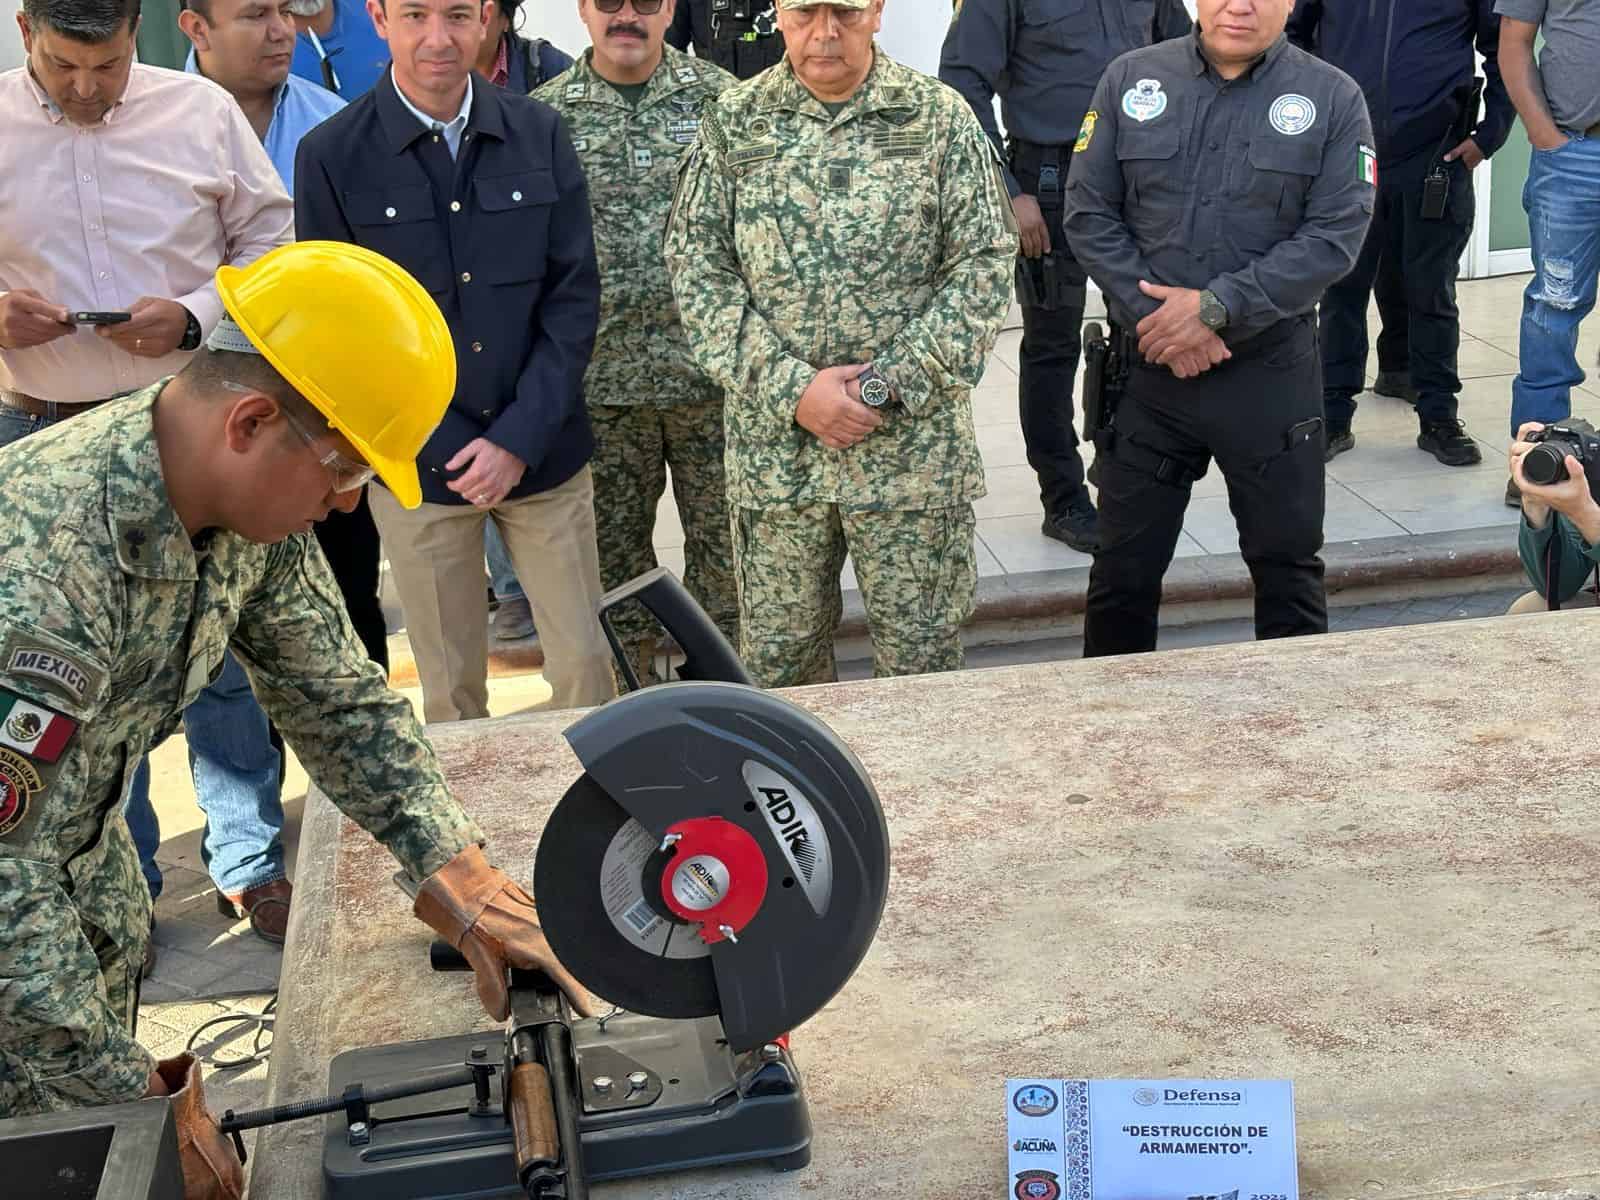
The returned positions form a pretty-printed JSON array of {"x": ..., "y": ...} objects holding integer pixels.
[{"x": 700, "y": 1105}]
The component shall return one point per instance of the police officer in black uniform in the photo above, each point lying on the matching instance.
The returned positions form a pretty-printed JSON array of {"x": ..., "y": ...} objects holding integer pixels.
[
  {"x": 1220, "y": 183},
  {"x": 740, "y": 36},
  {"x": 1415, "y": 61},
  {"x": 1044, "y": 57}
]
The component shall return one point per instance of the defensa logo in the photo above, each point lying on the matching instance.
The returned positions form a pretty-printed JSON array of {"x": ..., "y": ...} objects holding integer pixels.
[
  {"x": 1034, "y": 1146},
  {"x": 1199, "y": 1096},
  {"x": 794, "y": 823}
]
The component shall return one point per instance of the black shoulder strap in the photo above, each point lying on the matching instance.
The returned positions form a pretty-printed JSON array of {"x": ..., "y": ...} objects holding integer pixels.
[{"x": 535, "y": 63}]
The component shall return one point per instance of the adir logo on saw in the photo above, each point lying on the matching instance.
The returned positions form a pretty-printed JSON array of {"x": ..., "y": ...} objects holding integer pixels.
[{"x": 794, "y": 823}]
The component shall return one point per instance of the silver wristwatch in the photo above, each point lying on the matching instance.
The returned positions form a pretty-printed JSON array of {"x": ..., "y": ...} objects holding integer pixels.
[
  {"x": 1213, "y": 312},
  {"x": 875, "y": 389}
]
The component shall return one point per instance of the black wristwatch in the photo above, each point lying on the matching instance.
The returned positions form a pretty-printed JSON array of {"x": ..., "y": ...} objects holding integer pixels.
[
  {"x": 875, "y": 389},
  {"x": 191, "y": 333},
  {"x": 1213, "y": 312}
]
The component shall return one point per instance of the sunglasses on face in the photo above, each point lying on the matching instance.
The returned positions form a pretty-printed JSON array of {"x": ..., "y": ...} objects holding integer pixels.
[{"x": 645, "y": 8}]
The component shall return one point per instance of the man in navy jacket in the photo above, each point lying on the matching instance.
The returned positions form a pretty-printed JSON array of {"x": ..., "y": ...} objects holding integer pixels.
[
  {"x": 1414, "y": 61},
  {"x": 478, "y": 193}
]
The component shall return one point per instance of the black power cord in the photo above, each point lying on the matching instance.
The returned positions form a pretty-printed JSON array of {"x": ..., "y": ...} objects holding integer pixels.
[{"x": 263, "y": 1023}]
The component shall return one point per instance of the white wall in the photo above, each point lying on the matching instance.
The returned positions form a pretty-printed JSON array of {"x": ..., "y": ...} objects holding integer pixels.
[{"x": 10, "y": 36}]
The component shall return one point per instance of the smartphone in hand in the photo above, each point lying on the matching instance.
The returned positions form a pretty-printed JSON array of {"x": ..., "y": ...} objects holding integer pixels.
[{"x": 98, "y": 318}]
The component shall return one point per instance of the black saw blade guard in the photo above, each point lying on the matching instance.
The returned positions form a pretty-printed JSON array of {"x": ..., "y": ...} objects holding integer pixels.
[{"x": 701, "y": 749}]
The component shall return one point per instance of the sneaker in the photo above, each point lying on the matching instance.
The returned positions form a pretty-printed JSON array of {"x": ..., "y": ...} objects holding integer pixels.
[
  {"x": 1396, "y": 385},
  {"x": 1513, "y": 494},
  {"x": 1078, "y": 527},
  {"x": 1339, "y": 439},
  {"x": 513, "y": 620},
  {"x": 1449, "y": 443}
]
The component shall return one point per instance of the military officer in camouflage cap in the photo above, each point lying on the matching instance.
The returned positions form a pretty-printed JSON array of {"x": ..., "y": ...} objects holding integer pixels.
[
  {"x": 142, "y": 541},
  {"x": 632, "y": 105},
  {"x": 841, "y": 248}
]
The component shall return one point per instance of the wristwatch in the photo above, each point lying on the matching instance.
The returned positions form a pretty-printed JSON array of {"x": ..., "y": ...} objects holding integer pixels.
[
  {"x": 875, "y": 389},
  {"x": 1213, "y": 312},
  {"x": 191, "y": 333}
]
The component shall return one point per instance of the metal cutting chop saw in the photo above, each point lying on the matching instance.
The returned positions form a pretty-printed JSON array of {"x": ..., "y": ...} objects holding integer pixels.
[{"x": 717, "y": 873}]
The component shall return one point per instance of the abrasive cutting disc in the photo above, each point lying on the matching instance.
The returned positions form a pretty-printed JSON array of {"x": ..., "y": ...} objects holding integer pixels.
[
  {"x": 589, "y": 881},
  {"x": 724, "y": 853}
]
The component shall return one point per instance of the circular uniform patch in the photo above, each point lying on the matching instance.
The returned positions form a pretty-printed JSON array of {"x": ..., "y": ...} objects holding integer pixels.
[
  {"x": 1036, "y": 1185},
  {"x": 18, "y": 782},
  {"x": 1292, "y": 114},
  {"x": 1144, "y": 101}
]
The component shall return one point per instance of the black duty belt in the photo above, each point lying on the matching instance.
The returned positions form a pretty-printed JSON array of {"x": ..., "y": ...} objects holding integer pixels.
[{"x": 1052, "y": 164}]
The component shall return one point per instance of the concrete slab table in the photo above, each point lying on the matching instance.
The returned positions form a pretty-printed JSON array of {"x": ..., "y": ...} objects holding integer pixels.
[{"x": 1368, "y": 862}]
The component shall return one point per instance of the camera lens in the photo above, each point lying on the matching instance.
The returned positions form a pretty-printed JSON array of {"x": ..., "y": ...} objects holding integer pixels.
[{"x": 1545, "y": 464}]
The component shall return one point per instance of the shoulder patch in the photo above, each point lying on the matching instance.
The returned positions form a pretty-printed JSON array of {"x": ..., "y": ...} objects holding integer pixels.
[
  {"x": 1367, "y": 165},
  {"x": 1086, "y": 133},
  {"x": 33, "y": 729},
  {"x": 19, "y": 783},
  {"x": 30, "y": 655}
]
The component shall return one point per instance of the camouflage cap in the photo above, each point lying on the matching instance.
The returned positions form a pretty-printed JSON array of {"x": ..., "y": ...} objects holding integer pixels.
[{"x": 816, "y": 3}]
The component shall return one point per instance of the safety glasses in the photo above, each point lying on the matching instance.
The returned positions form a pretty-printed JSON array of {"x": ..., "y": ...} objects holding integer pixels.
[
  {"x": 348, "y": 475},
  {"x": 645, "y": 8}
]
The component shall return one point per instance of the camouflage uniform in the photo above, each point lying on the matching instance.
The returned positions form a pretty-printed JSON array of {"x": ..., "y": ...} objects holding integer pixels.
[
  {"x": 110, "y": 621},
  {"x": 801, "y": 240},
  {"x": 650, "y": 405}
]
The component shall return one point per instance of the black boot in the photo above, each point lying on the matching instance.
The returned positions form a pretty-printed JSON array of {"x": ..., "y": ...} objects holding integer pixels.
[
  {"x": 1078, "y": 526},
  {"x": 1449, "y": 443},
  {"x": 1339, "y": 439},
  {"x": 1396, "y": 385}
]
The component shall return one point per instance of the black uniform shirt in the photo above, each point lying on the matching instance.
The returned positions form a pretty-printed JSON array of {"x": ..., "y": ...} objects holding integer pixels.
[
  {"x": 1043, "y": 58},
  {"x": 1259, "y": 188}
]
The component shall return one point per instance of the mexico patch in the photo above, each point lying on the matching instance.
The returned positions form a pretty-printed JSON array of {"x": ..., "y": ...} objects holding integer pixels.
[
  {"x": 18, "y": 783},
  {"x": 1367, "y": 165},
  {"x": 43, "y": 662},
  {"x": 1086, "y": 133},
  {"x": 33, "y": 729}
]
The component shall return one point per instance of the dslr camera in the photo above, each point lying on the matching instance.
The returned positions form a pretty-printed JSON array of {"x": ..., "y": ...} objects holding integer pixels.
[{"x": 1546, "y": 463}]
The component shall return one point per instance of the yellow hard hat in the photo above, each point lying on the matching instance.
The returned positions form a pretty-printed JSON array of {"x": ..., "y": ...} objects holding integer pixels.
[{"x": 359, "y": 338}]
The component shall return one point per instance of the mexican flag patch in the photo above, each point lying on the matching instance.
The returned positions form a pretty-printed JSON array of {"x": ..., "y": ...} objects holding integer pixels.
[
  {"x": 31, "y": 729},
  {"x": 1367, "y": 165}
]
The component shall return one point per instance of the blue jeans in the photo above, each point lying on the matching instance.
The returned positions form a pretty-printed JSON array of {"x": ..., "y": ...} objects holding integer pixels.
[
  {"x": 1562, "y": 197},
  {"x": 234, "y": 764},
  {"x": 502, "y": 577},
  {"x": 235, "y": 768}
]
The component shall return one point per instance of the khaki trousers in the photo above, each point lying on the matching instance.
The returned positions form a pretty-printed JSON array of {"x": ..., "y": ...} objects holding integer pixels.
[{"x": 436, "y": 554}]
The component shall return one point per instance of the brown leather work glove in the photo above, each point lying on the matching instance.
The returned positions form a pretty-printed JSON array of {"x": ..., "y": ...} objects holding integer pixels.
[
  {"x": 211, "y": 1169},
  {"x": 482, "y": 912}
]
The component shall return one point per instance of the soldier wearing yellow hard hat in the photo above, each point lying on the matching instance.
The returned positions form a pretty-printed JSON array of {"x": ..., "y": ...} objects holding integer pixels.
[{"x": 143, "y": 540}]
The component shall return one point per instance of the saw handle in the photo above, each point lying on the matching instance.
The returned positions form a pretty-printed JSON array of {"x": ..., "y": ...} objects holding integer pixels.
[
  {"x": 706, "y": 652},
  {"x": 533, "y": 1119}
]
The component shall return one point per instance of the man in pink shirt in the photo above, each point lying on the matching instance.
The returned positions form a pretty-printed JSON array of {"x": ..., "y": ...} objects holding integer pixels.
[{"x": 128, "y": 186}]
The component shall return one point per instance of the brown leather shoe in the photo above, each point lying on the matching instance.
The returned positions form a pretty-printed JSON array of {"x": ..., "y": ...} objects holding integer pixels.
[{"x": 267, "y": 907}]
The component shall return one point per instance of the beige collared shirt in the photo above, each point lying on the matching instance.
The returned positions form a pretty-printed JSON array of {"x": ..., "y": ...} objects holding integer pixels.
[{"x": 169, "y": 185}]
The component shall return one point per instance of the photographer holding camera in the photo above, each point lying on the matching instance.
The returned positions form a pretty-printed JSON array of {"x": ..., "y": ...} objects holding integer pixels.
[{"x": 1559, "y": 535}]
